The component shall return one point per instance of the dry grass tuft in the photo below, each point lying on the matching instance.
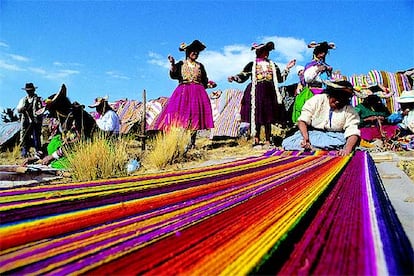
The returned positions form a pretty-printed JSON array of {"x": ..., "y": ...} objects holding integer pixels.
[
  {"x": 99, "y": 158},
  {"x": 11, "y": 156},
  {"x": 407, "y": 166},
  {"x": 167, "y": 148}
]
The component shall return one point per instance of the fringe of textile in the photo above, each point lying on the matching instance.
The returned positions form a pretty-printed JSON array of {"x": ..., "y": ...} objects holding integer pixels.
[{"x": 233, "y": 218}]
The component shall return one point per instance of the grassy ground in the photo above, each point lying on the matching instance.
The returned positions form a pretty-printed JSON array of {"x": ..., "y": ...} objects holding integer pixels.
[{"x": 205, "y": 151}]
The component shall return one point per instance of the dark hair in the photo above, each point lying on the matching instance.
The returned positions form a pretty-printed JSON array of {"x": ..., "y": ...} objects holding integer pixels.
[
  {"x": 340, "y": 90},
  {"x": 321, "y": 48}
]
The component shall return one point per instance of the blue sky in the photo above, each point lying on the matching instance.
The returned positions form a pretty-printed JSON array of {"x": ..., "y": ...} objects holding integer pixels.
[{"x": 119, "y": 48}]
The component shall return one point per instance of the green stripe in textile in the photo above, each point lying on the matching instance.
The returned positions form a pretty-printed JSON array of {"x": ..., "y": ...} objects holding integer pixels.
[{"x": 293, "y": 212}]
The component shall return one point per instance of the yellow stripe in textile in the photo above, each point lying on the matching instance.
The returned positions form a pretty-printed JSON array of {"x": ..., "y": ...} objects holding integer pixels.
[
  {"x": 94, "y": 215},
  {"x": 284, "y": 173},
  {"x": 253, "y": 255},
  {"x": 120, "y": 186}
]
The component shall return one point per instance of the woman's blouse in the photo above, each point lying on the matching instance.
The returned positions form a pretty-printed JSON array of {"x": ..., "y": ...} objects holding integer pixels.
[
  {"x": 365, "y": 112},
  {"x": 317, "y": 113},
  {"x": 263, "y": 70},
  {"x": 190, "y": 72}
]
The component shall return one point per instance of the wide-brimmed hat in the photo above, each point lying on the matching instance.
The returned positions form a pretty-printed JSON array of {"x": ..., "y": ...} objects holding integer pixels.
[
  {"x": 299, "y": 68},
  {"x": 343, "y": 89},
  {"x": 98, "y": 101},
  {"x": 321, "y": 46},
  {"x": 29, "y": 87},
  {"x": 196, "y": 46},
  {"x": 52, "y": 99},
  {"x": 268, "y": 46},
  {"x": 406, "y": 97}
]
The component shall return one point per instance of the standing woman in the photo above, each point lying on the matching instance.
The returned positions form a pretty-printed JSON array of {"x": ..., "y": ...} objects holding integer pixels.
[
  {"x": 262, "y": 102},
  {"x": 317, "y": 69},
  {"x": 314, "y": 73},
  {"x": 189, "y": 105}
]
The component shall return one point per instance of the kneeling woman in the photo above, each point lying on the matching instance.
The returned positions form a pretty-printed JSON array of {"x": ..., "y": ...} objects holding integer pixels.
[{"x": 327, "y": 122}]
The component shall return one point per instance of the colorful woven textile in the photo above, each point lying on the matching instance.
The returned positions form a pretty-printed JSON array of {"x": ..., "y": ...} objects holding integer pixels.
[
  {"x": 283, "y": 212},
  {"x": 226, "y": 123},
  {"x": 8, "y": 130},
  {"x": 396, "y": 82},
  {"x": 130, "y": 112}
]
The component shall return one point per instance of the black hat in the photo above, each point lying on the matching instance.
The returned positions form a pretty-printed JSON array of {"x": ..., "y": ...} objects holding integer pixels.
[
  {"x": 29, "y": 87},
  {"x": 321, "y": 47},
  {"x": 339, "y": 89},
  {"x": 268, "y": 46},
  {"x": 196, "y": 45}
]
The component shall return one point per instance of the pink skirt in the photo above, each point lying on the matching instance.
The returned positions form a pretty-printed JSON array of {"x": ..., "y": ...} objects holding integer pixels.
[
  {"x": 371, "y": 133},
  {"x": 188, "y": 107}
]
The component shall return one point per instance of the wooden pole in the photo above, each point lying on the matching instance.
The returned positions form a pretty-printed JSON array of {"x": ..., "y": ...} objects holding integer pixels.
[{"x": 144, "y": 119}]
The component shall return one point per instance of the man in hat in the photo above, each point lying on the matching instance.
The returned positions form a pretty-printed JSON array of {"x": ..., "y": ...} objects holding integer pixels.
[
  {"x": 327, "y": 122},
  {"x": 108, "y": 120},
  {"x": 31, "y": 122}
]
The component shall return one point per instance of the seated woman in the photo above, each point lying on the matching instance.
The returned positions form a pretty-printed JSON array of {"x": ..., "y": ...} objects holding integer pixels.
[
  {"x": 107, "y": 121},
  {"x": 327, "y": 122},
  {"x": 406, "y": 100},
  {"x": 374, "y": 124}
]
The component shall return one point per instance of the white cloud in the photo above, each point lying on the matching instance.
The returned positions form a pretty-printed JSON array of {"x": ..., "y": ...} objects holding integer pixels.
[
  {"x": 4, "y": 44},
  {"x": 61, "y": 74},
  {"x": 19, "y": 58},
  {"x": 10, "y": 67},
  {"x": 232, "y": 58},
  {"x": 117, "y": 75},
  {"x": 56, "y": 75},
  {"x": 158, "y": 60},
  {"x": 289, "y": 48},
  {"x": 63, "y": 64}
]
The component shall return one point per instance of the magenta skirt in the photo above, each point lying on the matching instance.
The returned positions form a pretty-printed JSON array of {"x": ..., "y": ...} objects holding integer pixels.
[
  {"x": 188, "y": 107},
  {"x": 371, "y": 133}
]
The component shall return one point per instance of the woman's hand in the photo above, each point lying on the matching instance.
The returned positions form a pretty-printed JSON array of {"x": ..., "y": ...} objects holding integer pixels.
[
  {"x": 291, "y": 64},
  {"x": 171, "y": 60},
  {"x": 47, "y": 160},
  {"x": 305, "y": 144}
]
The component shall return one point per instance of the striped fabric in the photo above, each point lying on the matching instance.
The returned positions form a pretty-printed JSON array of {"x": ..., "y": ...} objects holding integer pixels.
[
  {"x": 280, "y": 213},
  {"x": 396, "y": 82},
  {"x": 154, "y": 108},
  {"x": 226, "y": 123},
  {"x": 130, "y": 112}
]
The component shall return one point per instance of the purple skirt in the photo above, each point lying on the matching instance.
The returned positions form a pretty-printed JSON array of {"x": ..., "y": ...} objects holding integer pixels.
[
  {"x": 188, "y": 107},
  {"x": 267, "y": 109}
]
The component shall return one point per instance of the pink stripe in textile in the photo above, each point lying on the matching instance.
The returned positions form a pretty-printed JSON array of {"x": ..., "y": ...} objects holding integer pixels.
[{"x": 343, "y": 217}]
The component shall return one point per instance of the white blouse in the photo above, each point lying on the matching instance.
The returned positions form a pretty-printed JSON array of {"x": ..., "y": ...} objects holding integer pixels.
[{"x": 316, "y": 112}]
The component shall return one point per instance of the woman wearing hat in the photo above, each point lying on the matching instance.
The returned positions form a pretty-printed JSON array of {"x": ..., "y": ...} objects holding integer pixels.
[
  {"x": 327, "y": 122},
  {"x": 261, "y": 104},
  {"x": 318, "y": 68},
  {"x": 189, "y": 105},
  {"x": 108, "y": 120},
  {"x": 406, "y": 100},
  {"x": 374, "y": 124},
  {"x": 312, "y": 75},
  {"x": 31, "y": 122}
]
